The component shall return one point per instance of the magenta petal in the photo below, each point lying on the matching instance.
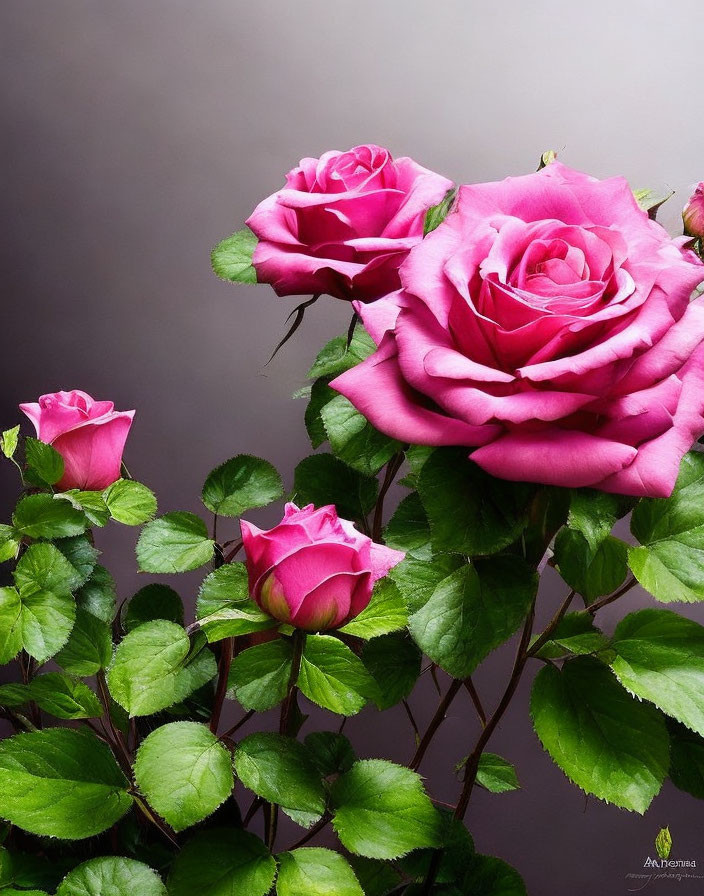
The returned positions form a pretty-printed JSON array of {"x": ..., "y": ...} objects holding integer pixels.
[
  {"x": 92, "y": 452},
  {"x": 329, "y": 604},
  {"x": 554, "y": 457},
  {"x": 377, "y": 389}
]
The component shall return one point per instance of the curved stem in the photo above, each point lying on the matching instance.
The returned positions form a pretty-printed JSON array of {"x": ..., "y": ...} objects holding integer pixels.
[
  {"x": 472, "y": 691},
  {"x": 472, "y": 764},
  {"x": 610, "y": 598},
  {"x": 224, "y": 664},
  {"x": 392, "y": 468},
  {"x": 435, "y": 723},
  {"x": 552, "y": 625}
]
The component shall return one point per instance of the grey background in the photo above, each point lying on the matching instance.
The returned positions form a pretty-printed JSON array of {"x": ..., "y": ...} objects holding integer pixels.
[{"x": 137, "y": 134}]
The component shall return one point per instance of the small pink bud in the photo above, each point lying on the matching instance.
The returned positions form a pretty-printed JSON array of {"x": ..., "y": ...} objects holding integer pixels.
[
  {"x": 314, "y": 570},
  {"x": 693, "y": 214}
]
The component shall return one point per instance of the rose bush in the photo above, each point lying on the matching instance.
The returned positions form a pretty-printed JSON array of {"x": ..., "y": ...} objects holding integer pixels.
[
  {"x": 89, "y": 435},
  {"x": 343, "y": 223},
  {"x": 548, "y": 322},
  {"x": 314, "y": 570}
]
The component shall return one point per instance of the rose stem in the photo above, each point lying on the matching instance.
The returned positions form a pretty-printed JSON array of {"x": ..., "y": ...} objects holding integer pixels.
[{"x": 392, "y": 468}]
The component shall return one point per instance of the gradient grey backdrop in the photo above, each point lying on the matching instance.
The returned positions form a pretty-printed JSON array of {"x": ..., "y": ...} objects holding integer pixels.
[{"x": 138, "y": 133}]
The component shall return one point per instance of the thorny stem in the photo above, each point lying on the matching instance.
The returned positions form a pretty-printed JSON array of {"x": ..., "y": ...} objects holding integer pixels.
[
  {"x": 224, "y": 664},
  {"x": 117, "y": 741},
  {"x": 472, "y": 691},
  {"x": 245, "y": 718},
  {"x": 552, "y": 625},
  {"x": 285, "y": 724},
  {"x": 602, "y": 602},
  {"x": 392, "y": 468},
  {"x": 435, "y": 723}
]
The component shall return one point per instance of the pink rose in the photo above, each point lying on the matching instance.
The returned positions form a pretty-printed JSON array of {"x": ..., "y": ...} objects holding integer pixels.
[
  {"x": 343, "y": 223},
  {"x": 693, "y": 214},
  {"x": 314, "y": 570},
  {"x": 90, "y": 436},
  {"x": 547, "y": 321}
]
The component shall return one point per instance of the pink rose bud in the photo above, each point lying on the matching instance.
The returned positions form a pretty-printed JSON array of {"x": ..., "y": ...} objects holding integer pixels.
[
  {"x": 90, "y": 436},
  {"x": 693, "y": 214},
  {"x": 314, "y": 570}
]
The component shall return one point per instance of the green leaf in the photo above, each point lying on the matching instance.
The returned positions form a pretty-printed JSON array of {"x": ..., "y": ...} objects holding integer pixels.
[
  {"x": 9, "y": 543},
  {"x": 176, "y": 542},
  {"x": 488, "y": 876},
  {"x": 98, "y": 596},
  {"x": 89, "y": 647},
  {"x": 8, "y": 441},
  {"x": 457, "y": 854},
  {"x": 470, "y": 512},
  {"x": 593, "y": 513},
  {"x": 496, "y": 774},
  {"x": 337, "y": 356},
  {"x": 14, "y": 694},
  {"x": 663, "y": 843},
  {"x": 314, "y": 871},
  {"x": 320, "y": 395},
  {"x": 668, "y": 564},
  {"x": 686, "y": 759},
  {"x": 409, "y": 530},
  {"x": 591, "y": 573},
  {"x": 394, "y": 663},
  {"x": 194, "y": 781},
  {"x": 330, "y": 752},
  {"x": 43, "y": 576},
  {"x": 10, "y": 624},
  {"x": 232, "y": 257},
  {"x": 46, "y": 516},
  {"x": 130, "y": 502},
  {"x": 91, "y": 503},
  {"x": 152, "y": 602},
  {"x": 43, "y": 566},
  {"x": 381, "y": 810},
  {"x": 61, "y": 782},
  {"x": 259, "y": 675},
  {"x": 323, "y": 479},
  {"x": 575, "y": 634},
  {"x": 64, "y": 697},
  {"x": 82, "y": 556},
  {"x": 224, "y": 608},
  {"x": 333, "y": 676},
  {"x": 660, "y": 657},
  {"x": 385, "y": 613},
  {"x": 240, "y": 484},
  {"x": 436, "y": 214},
  {"x": 650, "y": 201},
  {"x": 417, "y": 579},
  {"x": 353, "y": 439},
  {"x": 376, "y": 878},
  {"x": 279, "y": 770},
  {"x": 45, "y": 463},
  {"x": 112, "y": 876},
  {"x": 222, "y": 863},
  {"x": 150, "y": 672},
  {"x": 472, "y": 611},
  {"x": 604, "y": 740}
]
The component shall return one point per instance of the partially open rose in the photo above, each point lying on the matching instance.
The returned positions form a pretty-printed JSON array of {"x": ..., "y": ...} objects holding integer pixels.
[
  {"x": 90, "y": 435},
  {"x": 547, "y": 321},
  {"x": 314, "y": 570},
  {"x": 343, "y": 223}
]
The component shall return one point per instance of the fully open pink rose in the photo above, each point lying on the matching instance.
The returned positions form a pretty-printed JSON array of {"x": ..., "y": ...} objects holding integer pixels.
[
  {"x": 549, "y": 322},
  {"x": 343, "y": 223},
  {"x": 314, "y": 570},
  {"x": 693, "y": 214},
  {"x": 90, "y": 436}
]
